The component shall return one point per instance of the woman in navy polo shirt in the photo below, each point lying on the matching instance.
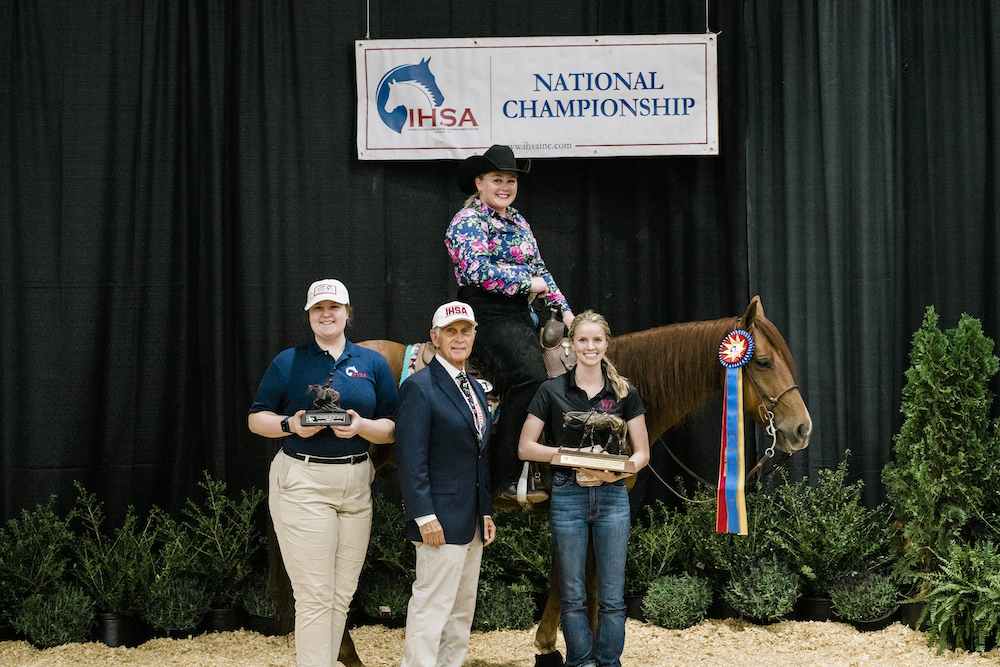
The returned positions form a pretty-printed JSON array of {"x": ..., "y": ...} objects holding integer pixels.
[
  {"x": 319, "y": 487},
  {"x": 589, "y": 506}
]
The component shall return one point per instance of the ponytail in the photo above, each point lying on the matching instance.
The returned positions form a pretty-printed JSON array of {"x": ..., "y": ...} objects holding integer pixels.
[{"x": 618, "y": 381}]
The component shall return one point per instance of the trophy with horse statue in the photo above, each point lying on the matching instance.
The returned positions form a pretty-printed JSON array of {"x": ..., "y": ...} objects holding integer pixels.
[
  {"x": 596, "y": 456},
  {"x": 326, "y": 408}
]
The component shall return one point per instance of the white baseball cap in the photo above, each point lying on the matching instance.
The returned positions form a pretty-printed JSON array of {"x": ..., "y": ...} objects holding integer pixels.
[
  {"x": 327, "y": 289},
  {"x": 452, "y": 312}
]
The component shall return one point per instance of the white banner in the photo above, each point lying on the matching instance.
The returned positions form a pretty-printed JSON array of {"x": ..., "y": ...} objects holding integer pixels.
[{"x": 424, "y": 99}]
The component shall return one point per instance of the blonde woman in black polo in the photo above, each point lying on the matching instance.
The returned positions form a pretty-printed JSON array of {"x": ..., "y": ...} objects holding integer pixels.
[{"x": 591, "y": 407}]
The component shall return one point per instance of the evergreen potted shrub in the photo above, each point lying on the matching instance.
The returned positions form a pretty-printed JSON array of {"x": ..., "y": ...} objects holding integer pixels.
[
  {"x": 390, "y": 568},
  {"x": 503, "y": 607},
  {"x": 34, "y": 556},
  {"x": 868, "y": 600},
  {"x": 107, "y": 566},
  {"x": 943, "y": 484},
  {"x": 61, "y": 615},
  {"x": 44, "y": 605},
  {"x": 723, "y": 553},
  {"x": 520, "y": 559},
  {"x": 385, "y": 599},
  {"x": 654, "y": 547},
  {"x": 258, "y": 601},
  {"x": 722, "y": 556},
  {"x": 677, "y": 602},
  {"x": 7, "y": 632},
  {"x": 764, "y": 592},
  {"x": 175, "y": 595},
  {"x": 224, "y": 539},
  {"x": 829, "y": 533}
]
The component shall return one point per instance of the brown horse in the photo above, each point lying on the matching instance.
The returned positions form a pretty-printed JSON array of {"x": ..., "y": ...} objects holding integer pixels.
[{"x": 676, "y": 368}]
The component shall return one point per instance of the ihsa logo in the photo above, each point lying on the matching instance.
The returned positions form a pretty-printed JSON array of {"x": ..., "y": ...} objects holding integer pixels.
[{"x": 408, "y": 96}]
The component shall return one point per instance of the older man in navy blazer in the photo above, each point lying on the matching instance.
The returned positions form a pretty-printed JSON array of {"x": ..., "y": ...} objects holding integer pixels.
[{"x": 442, "y": 427}]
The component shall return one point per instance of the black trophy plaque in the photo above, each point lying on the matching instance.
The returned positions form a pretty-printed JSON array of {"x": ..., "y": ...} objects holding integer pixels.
[{"x": 326, "y": 408}]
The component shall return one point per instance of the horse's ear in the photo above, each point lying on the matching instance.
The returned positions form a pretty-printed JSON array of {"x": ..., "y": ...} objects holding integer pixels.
[{"x": 753, "y": 311}]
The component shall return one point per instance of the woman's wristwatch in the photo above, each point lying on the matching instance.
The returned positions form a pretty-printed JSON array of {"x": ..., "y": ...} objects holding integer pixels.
[{"x": 284, "y": 425}]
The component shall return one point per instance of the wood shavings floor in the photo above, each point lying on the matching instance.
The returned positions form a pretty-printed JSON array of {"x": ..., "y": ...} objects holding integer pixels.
[{"x": 709, "y": 644}]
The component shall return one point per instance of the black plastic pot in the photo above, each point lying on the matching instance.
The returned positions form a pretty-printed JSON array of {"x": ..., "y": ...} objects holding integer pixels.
[
  {"x": 727, "y": 610},
  {"x": 222, "y": 620},
  {"x": 117, "y": 630},
  {"x": 814, "y": 609},
  {"x": 269, "y": 626},
  {"x": 879, "y": 623},
  {"x": 7, "y": 633},
  {"x": 392, "y": 620},
  {"x": 909, "y": 614},
  {"x": 633, "y": 607}
]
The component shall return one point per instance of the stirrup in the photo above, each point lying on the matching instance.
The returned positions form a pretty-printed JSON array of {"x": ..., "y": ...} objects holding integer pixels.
[{"x": 526, "y": 494}]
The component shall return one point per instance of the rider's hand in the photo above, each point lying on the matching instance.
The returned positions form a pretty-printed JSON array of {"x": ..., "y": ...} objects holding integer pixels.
[
  {"x": 567, "y": 318},
  {"x": 539, "y": 287}
]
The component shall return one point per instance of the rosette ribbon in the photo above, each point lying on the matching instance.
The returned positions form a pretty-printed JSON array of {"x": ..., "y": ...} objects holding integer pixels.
[{"x": 735, "y": 351}]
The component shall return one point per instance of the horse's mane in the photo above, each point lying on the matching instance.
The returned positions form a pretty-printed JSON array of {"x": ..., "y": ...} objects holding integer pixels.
[{"x": 676, "y": 367}]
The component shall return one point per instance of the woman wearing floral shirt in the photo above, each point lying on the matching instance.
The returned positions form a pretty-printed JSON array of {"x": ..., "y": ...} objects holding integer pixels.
[{"x": 499, "y": 271}]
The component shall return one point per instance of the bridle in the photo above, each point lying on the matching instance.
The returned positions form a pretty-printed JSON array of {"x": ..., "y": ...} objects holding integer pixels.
[{"x": 766, "y": 414}]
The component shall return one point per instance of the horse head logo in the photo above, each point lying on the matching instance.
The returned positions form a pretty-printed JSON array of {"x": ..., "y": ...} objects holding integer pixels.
[{"x": 396, "y": 91}]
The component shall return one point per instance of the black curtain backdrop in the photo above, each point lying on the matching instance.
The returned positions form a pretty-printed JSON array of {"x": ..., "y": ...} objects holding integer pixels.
[
  {"x": 176, "y": 174},
  {"x": 871, "y": 188}
]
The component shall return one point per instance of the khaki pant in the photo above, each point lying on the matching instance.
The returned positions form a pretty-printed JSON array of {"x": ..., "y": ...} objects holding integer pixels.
[
  {"x": 322, "y": 515},
  {"x": 439, "y": 616}
]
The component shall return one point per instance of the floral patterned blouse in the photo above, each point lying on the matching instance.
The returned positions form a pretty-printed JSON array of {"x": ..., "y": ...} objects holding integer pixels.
[{"x": 498, "y": 254}]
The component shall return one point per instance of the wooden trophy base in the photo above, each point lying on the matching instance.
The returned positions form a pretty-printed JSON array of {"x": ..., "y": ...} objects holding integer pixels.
[{"x": 573, "y": 458}]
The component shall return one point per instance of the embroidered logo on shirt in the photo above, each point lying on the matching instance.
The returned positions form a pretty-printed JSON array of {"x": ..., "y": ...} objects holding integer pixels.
[
  {"x": 352, "y": 371},
  {"x": 607, "y": 405}
]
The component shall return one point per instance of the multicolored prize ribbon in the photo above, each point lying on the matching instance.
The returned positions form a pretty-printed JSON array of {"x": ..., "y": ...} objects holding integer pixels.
[{"x": 735, "y": 351}]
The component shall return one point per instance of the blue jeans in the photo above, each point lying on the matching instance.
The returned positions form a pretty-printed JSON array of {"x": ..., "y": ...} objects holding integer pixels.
[{"x": 598, "y": 515}]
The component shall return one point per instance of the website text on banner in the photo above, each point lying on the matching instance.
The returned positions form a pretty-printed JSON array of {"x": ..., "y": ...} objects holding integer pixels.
[{"x": 424, "y": 99}]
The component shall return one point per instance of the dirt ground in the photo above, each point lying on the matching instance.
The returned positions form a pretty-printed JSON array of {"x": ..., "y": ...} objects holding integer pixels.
[{"x": 711, "y": 643}]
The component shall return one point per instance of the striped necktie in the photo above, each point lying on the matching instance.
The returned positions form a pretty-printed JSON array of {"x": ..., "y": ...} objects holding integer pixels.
[{"x": 477, "y": 412}]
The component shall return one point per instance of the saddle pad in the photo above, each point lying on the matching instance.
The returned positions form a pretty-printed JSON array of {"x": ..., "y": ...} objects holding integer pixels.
[{"x": 410, "y": 360}]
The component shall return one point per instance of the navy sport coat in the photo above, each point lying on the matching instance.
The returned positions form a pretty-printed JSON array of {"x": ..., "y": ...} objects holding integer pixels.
[{"x": 443, "y": 467}]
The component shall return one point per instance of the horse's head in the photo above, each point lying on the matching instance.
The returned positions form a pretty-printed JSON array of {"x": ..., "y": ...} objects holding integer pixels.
[
  {"x": 391, "y": 109},
  {"x": 422, "y": 76},
  {"x": 770, "y": 388}
]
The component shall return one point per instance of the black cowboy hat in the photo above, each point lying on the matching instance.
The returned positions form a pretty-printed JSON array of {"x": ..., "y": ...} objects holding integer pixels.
[{"x": 497, "y": 158}]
